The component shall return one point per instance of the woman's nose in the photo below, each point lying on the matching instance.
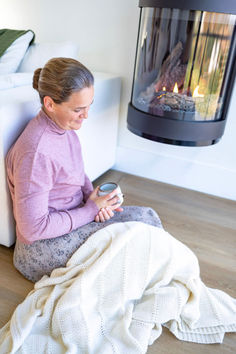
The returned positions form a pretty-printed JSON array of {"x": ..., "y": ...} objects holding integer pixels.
[{"x": 84, "y": 114}]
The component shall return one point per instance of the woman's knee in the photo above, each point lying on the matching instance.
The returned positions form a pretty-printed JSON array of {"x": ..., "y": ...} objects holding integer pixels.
[
  {"x": 149, "y": 216},
  {"x": 151, "y": 212}
]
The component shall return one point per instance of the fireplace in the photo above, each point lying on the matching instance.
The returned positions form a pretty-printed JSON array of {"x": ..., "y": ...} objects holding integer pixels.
[{"x": 184, "y": 71}]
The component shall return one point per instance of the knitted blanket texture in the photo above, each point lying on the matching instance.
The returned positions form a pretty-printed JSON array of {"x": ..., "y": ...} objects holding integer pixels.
[{"x": 114, "y": 295}]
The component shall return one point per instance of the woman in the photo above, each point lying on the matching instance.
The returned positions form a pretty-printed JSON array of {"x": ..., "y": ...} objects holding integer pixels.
[{"x": 55, "y": 206}]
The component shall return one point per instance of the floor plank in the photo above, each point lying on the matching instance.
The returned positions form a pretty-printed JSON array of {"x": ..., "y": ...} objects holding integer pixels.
[{"x": 205, "y": 223}]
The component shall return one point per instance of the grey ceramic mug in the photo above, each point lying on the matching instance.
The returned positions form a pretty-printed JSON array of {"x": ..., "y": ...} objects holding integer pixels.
[{"x": 108, "y": 187}]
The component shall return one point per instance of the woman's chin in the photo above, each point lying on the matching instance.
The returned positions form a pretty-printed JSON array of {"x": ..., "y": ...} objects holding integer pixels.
[{"x": 76, "y": 125}]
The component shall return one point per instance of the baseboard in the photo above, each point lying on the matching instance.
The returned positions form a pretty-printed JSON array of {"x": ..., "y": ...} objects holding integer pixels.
[{"x": 205, "y": 178}]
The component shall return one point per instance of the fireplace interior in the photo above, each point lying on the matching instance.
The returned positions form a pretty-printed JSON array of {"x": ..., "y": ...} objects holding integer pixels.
[{"x": 184, "y": 71}]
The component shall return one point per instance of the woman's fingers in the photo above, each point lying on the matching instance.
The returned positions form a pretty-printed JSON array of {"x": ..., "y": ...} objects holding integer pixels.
[
  {"x": 97, "y": 218},
  {"x": 119, "y": 209},
  {"x": 113, "y": 197},
  {"x": 114, "y": 201},
  {"x": 101, "y": 217},
  {"x": 109, "y": 212},
  {"x": 104, "y": 214},
  {"x": 112, "y": 194}
]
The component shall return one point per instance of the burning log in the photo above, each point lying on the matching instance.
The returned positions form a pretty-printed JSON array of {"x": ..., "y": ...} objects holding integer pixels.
[
  {"x": 172, "y": 70},
  {"x": 171, "y": 101}
]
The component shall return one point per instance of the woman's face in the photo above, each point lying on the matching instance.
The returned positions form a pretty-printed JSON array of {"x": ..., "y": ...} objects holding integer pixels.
[{"x": 70, "y": 114}]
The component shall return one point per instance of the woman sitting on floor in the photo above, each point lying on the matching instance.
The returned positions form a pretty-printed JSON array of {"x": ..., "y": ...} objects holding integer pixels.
[{"x": 55, "y": 206}]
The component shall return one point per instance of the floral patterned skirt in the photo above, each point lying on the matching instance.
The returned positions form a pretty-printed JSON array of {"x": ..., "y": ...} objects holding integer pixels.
[{"x": 41, "y": 257}]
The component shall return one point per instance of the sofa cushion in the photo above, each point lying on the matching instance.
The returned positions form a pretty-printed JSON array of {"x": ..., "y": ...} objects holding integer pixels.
[
  {"x": 39, "y": 53},
  {"x": 12, "y": 57}
]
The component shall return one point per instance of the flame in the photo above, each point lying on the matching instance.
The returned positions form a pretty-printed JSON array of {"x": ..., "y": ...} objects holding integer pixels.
[
  {"x": 176, "y": 88},
  {"x": 164, "y": 88},
  {"x": 196, "y": 93}
]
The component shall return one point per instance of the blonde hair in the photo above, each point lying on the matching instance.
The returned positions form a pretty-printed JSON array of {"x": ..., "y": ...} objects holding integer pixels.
[{"x": 60, "y": 77}]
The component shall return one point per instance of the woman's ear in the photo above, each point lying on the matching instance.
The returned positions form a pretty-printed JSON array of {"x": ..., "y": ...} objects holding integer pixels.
[{"x": 48, "y": 103}]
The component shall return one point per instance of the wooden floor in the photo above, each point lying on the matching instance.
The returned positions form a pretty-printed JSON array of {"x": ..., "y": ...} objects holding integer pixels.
[{"x": 205, "y": 223}]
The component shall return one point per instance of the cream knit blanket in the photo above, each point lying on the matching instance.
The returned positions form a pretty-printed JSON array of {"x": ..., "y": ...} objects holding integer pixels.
[{"x": 114, "y": 295}]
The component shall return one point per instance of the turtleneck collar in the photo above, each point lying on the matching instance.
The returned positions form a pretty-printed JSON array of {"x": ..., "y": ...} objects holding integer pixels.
[{"x": 53, "y": 126}]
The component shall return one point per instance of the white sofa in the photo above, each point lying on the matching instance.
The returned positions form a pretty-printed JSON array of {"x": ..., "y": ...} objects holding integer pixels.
[{"x": 98, "y": 135}]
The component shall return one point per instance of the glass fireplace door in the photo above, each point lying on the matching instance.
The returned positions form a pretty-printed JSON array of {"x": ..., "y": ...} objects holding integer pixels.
[{"x": 183, "y": 57}]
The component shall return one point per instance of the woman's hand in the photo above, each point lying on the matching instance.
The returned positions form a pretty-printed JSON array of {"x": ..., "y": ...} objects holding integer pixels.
[
  {"x": 104, "y": 214},
  {"x": 109, "y": 200},
  {"x": 106, "y": 204}
]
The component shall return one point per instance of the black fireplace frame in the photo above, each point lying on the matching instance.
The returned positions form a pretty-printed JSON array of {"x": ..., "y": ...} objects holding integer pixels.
[
  {"x": 179, "y": 132},
  {"x": 226, "y": 6}
]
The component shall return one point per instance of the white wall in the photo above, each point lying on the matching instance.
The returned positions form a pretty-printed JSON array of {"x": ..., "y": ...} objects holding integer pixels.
[{"x": 106, "y": 31}]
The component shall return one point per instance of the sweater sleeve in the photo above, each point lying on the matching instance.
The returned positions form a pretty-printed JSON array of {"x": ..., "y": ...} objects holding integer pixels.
[
  {"x": 33, "y": 179},
  {"x": 87, "y": 188}
]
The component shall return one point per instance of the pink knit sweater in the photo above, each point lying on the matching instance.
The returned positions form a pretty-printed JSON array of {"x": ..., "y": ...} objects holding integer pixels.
[{"x": 47, "y": 182}]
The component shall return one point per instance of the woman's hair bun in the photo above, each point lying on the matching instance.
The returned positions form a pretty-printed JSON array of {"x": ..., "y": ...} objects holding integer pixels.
[
  {"x": 36, "y": 78},
  {"x": 60, "y": 77}
]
